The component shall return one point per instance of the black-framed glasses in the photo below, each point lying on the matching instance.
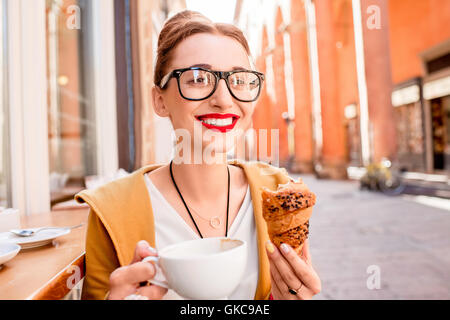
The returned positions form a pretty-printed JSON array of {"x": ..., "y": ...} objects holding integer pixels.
[{"x": 198, "y": 83}]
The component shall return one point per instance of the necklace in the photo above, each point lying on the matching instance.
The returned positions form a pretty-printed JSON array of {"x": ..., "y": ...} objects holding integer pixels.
[{"x": 215, "y": 221}]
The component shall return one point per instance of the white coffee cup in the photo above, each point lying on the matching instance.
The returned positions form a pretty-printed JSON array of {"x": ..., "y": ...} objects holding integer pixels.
[{"x": 201, "y": 269}]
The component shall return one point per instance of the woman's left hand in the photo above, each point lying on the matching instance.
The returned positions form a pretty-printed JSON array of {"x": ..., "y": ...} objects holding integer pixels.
[{"x": 293, "y": 277}]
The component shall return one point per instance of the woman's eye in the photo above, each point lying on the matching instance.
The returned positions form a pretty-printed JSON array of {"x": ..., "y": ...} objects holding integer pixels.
[
  {"x": 199, "y": 80},
  {"x": 238, "y": 82},
  {"x": 253, "y": 84}
]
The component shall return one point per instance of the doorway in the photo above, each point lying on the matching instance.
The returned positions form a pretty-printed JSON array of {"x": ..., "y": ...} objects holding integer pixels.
[{"x": 440, "y": 126}]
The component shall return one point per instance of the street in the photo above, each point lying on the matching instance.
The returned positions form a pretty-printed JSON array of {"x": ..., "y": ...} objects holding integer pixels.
[{"x": 360, "y": 239}]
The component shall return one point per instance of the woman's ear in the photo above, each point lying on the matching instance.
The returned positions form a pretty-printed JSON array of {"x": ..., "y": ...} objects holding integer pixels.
[{"x": 158, "y": 102}]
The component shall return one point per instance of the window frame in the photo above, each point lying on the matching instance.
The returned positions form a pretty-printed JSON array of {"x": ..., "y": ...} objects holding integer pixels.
[
  {"x": 27, "y": 92},
  {"x": 4, "y": 100}
]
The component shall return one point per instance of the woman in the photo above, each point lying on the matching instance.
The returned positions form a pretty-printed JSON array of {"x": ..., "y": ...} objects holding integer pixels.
[{"x": 133, "y": 217}]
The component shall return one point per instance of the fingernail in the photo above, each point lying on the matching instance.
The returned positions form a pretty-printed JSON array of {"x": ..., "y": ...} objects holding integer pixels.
[
  {"x": 286, "y": 248},
  {"x": 152, "y": 250},
  {"x": 143, "y": 243},
  {"x": 269, "y": 246}
]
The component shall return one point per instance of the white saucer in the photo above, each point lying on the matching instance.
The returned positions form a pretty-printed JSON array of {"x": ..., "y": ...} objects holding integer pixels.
[
  {"x": 41, "y": 238},
  {"x": 8, "y": 251}
]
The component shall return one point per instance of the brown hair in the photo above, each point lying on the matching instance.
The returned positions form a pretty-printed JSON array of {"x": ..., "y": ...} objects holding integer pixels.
[{"x": 183, "y": 25}]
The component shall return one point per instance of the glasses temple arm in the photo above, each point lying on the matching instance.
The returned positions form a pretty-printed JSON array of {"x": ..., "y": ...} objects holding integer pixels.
[{"x": 165, "y": 79}]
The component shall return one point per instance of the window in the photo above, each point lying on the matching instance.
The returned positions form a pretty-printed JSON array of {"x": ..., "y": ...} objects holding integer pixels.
[
  {"x": 410, "y": 137},
  {"x": 440, "y": 113},
  {"x": 438, "y": 63},
  {"x": 5, "y": 199},
  {"x": 71, "y": 109}
]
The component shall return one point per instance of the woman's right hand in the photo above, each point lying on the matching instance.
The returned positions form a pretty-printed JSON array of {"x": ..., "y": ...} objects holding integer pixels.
[{"x": 126, "y": 280}]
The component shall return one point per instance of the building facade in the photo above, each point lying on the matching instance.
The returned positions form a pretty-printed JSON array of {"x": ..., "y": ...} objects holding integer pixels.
[{"x": 368, "y": 80}]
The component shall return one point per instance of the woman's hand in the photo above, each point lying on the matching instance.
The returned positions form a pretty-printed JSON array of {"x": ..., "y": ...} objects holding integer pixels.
[
  {"x": 126, "y": 280},
  {"x": 289, "y": 271}
]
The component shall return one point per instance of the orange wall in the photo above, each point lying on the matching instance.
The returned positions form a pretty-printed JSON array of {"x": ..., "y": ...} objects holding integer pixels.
[
  {"x": 334, "y": 149},
  {"x": 304, "y": 146},
  {"x": 263, "y": 116},
  {"x": 280, "y": 87},
  {"x": 392, "y": 56},
  {"x": 415, "y": 25},
  {"x": 382, "y": 132},
  {"x": 346, "y": 56}
]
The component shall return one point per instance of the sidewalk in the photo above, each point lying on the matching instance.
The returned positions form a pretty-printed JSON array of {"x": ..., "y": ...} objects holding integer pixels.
[
  {"x": 352, "y": 230},
  {"x": 418, "y": 183},
  {"x": 433, "y": 189}
]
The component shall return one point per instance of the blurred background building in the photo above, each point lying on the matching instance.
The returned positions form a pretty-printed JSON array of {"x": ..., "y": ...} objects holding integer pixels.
[
  {"x": 349, "y": 82},
  {"x": 352, "y": 82}
]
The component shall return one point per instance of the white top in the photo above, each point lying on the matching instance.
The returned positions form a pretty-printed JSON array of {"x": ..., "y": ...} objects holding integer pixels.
[{"x": 170, "y": 228}]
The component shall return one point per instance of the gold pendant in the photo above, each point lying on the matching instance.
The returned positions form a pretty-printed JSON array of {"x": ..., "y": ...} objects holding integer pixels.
[{"x": 215, "y": 222}]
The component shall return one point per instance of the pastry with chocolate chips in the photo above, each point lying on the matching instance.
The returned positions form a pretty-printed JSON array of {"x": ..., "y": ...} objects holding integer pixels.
[{"x": 287, "y": 211}]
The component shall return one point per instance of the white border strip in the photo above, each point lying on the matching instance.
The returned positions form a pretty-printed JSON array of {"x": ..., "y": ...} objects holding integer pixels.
[
  {"x": 362, "y": 85},
  {"x": 28, "y": 106},
  {"x": 104, "y": 73},
  {"x": 315, "y": 75}
]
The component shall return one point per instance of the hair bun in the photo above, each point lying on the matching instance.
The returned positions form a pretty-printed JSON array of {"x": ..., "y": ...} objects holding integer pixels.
[{"x": 182, "y": 25}]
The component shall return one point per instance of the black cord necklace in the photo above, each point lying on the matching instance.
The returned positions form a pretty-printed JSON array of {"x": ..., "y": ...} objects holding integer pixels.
[{"x": 182, "y": 199}]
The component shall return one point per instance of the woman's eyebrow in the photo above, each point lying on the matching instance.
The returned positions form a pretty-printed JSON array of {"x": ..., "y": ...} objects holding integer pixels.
[
  {"x": 208, "y": 66},
  {"x": 201, "y": 65}
]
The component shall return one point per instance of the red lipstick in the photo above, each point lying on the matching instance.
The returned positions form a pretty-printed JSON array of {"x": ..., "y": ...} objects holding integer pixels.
[{"x": 222, "y": 128}]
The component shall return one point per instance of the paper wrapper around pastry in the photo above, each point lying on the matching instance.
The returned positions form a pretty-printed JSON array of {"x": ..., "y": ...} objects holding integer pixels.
[{"x": 287, "y": 211}]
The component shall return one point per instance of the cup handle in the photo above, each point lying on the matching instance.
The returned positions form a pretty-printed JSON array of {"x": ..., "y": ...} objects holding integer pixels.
[{"x": 159, "y": 279}]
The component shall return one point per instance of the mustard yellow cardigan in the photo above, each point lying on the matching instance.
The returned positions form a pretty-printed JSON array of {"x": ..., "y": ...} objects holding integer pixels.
[{"x": 121, "y": 215}]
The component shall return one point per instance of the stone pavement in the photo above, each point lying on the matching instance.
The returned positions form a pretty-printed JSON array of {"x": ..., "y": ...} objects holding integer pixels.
[{"x": 405, "y": 242}]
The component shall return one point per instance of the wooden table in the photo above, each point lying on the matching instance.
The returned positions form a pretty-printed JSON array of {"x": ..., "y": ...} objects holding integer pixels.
[{"x": 43, "y": 273}]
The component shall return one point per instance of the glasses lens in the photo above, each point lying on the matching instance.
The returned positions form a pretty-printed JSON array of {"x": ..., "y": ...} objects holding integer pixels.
[
  {"x": 197, "y": 84},
  {"x": 244, "y": 85}
]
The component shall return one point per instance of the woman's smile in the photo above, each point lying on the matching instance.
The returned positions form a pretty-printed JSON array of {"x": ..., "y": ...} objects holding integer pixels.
[{"x": 222, "y": 122}]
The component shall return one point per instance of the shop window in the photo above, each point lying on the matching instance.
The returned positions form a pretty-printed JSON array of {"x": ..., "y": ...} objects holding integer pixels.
[
  {"x": 440, "y": 117},
  {"x": 71, "y": 111},
  {"x": 410, "y": 136}
]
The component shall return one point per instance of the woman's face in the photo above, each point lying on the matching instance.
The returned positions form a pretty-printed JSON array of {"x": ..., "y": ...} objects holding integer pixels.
[{"x": 213, "y": 52}]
